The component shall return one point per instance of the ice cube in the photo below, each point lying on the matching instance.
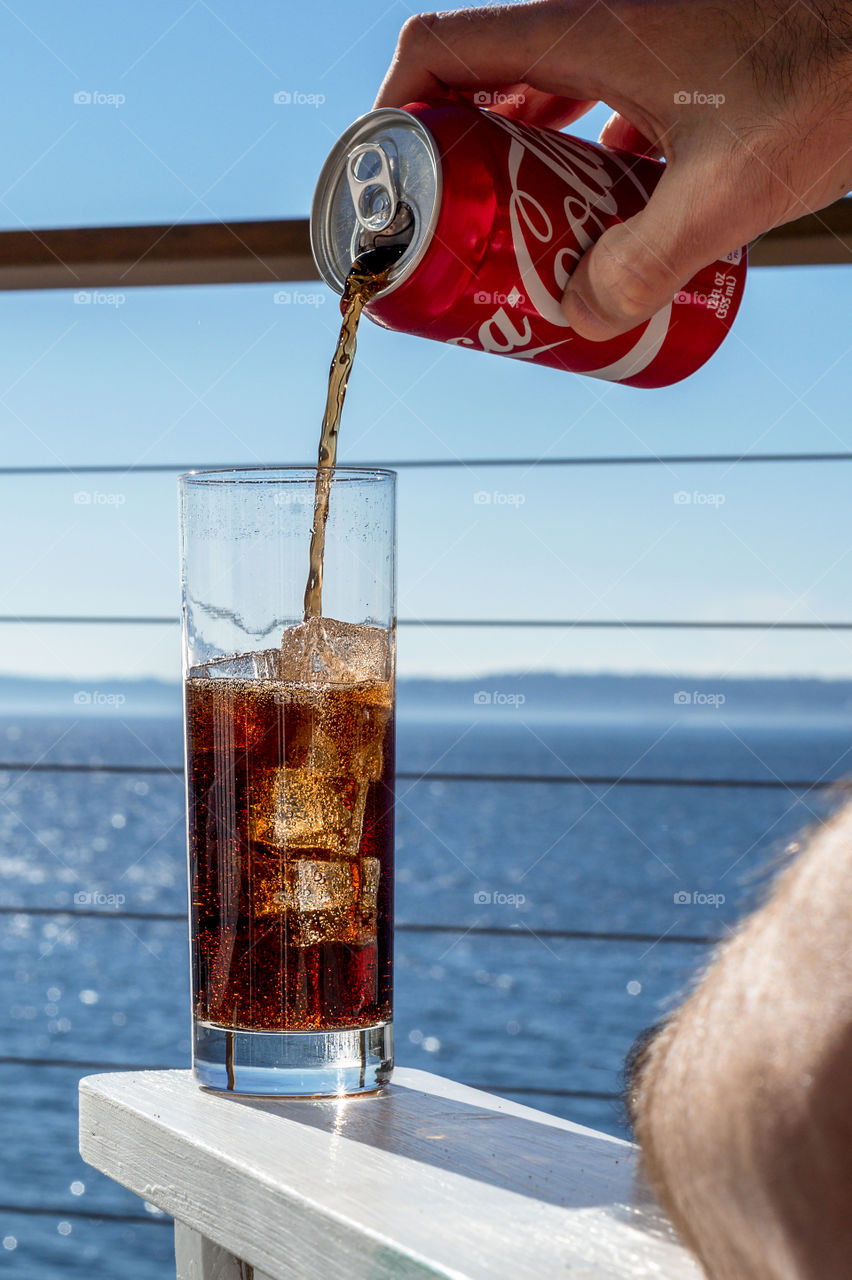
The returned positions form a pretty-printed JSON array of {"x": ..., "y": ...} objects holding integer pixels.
[
  {"x": 323, "y": 900},
  {"x": 319, "y": 651},
  {"x": 325, "y": 651},
  {"x": 308, "y": 808},
  {"x": 323, "y": 886},
  {"x": 369, "y": 869},
  {"x": 263, "y": 665}
]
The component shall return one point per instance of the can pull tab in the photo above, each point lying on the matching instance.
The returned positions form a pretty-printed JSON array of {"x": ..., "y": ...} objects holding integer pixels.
[{"x": 372, "y": 186}]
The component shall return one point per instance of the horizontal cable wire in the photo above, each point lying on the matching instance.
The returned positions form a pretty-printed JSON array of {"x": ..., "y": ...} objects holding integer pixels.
[
  {"x": 632, "y": 624},
  {"x": 85, "y": 1064},
  {"x": 105, "y": 1215},
  {"x": 91, "y": 1064},
  {"x": 583, "y": 935},
  {"x": 539, "y": 1091},
  {"x": 563, "y": 779},
  {"x": 625, "y": 780},
  {"x": 571, "y": 624},
  {"x": 94, "y": 913},
  {"x": 90, "y": 619},
  {"x": 626, "y": 460},
  {"x": 41, "y": 766},
  {"x": 493, "y": 931}
]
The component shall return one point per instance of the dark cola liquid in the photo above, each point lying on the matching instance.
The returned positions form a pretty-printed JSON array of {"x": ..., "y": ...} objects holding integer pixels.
[{"x": 291, "y": 852}]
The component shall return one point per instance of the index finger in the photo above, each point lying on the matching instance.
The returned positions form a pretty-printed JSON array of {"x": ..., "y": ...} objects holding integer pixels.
[{"x": 466, "y": 49}]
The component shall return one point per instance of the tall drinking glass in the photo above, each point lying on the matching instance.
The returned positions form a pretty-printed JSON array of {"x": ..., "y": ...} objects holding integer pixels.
[{"x": 290, "y": 776}]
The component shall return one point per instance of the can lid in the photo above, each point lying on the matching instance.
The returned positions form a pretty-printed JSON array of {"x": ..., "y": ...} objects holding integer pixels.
[{"x": 380, "y": 184}]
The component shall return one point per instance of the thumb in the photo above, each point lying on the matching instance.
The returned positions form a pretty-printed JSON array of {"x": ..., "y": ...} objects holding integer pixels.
[{"x": 638, "y": 266}]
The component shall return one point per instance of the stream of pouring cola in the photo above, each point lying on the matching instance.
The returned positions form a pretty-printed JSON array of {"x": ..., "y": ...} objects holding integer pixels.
[{"x": 367, "y": 276}]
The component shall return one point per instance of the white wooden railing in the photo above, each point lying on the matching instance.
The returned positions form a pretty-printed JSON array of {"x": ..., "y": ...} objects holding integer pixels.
[{"x": 428, "y": 1179}]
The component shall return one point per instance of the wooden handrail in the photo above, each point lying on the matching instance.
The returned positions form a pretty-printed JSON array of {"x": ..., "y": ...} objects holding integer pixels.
[
  {"x": 188, "y": 253},
  {"x": 278, "y": 250},
  {"x": 429, "y": 1180},
  {"x": 818, "y": 239}
]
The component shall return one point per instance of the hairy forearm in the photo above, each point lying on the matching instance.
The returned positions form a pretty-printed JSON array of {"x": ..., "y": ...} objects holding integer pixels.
[
  {"x": 815, "y": 36},
  {"x": 742, "y": 1104}
]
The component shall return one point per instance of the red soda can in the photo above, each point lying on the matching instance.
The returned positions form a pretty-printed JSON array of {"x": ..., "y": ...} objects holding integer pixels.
[{"x": 491, "y": 217}]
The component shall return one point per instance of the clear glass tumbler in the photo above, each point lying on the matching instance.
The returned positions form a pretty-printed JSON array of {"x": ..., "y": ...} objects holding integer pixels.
[{"x": 290, "y": 778}]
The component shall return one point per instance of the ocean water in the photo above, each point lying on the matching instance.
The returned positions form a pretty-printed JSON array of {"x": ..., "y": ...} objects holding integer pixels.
[{"x": 530, "y": 1011}]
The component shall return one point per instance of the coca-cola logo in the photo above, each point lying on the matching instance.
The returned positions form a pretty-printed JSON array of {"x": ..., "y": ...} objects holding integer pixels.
[
  {"x": 587, "y": 175},
  {"x": 588, "y": 204}
]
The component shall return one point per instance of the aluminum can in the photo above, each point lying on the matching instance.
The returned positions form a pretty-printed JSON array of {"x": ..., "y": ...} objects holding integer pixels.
[{"x": 491, "y": 217}]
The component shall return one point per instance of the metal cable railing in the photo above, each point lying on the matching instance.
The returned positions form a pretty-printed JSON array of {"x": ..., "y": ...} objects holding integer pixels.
[
  {"x": 471, "y": 464},
  {"x": 627, "y": 624},
  {"x": 408, "y": 775},
  {"x": 609, "y": 937},
  {"x": 670, "y": 460},
  {"x": 491, "y": 931},
  {"x": 98, "y": 1215}
]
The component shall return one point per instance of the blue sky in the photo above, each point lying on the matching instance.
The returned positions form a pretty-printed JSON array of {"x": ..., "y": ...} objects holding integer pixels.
[{"x": 226, "y": 375}]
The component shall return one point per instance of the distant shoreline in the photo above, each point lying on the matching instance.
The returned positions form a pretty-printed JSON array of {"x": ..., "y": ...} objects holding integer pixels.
[{"x": 511, "y": 694}]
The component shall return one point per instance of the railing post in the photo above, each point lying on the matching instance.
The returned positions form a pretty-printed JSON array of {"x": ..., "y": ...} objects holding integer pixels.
[{"x": 198, "y": 1258}]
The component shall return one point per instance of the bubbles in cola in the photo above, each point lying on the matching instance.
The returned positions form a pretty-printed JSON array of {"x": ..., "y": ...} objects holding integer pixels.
[{"x": 290, "y": 795}]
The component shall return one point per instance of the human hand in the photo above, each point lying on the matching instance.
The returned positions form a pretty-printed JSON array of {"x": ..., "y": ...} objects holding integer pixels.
[{"x": 748, "y": 101}]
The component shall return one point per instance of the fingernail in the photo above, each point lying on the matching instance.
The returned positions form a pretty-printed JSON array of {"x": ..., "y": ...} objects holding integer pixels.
[{"x": 583, "y": 320}]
